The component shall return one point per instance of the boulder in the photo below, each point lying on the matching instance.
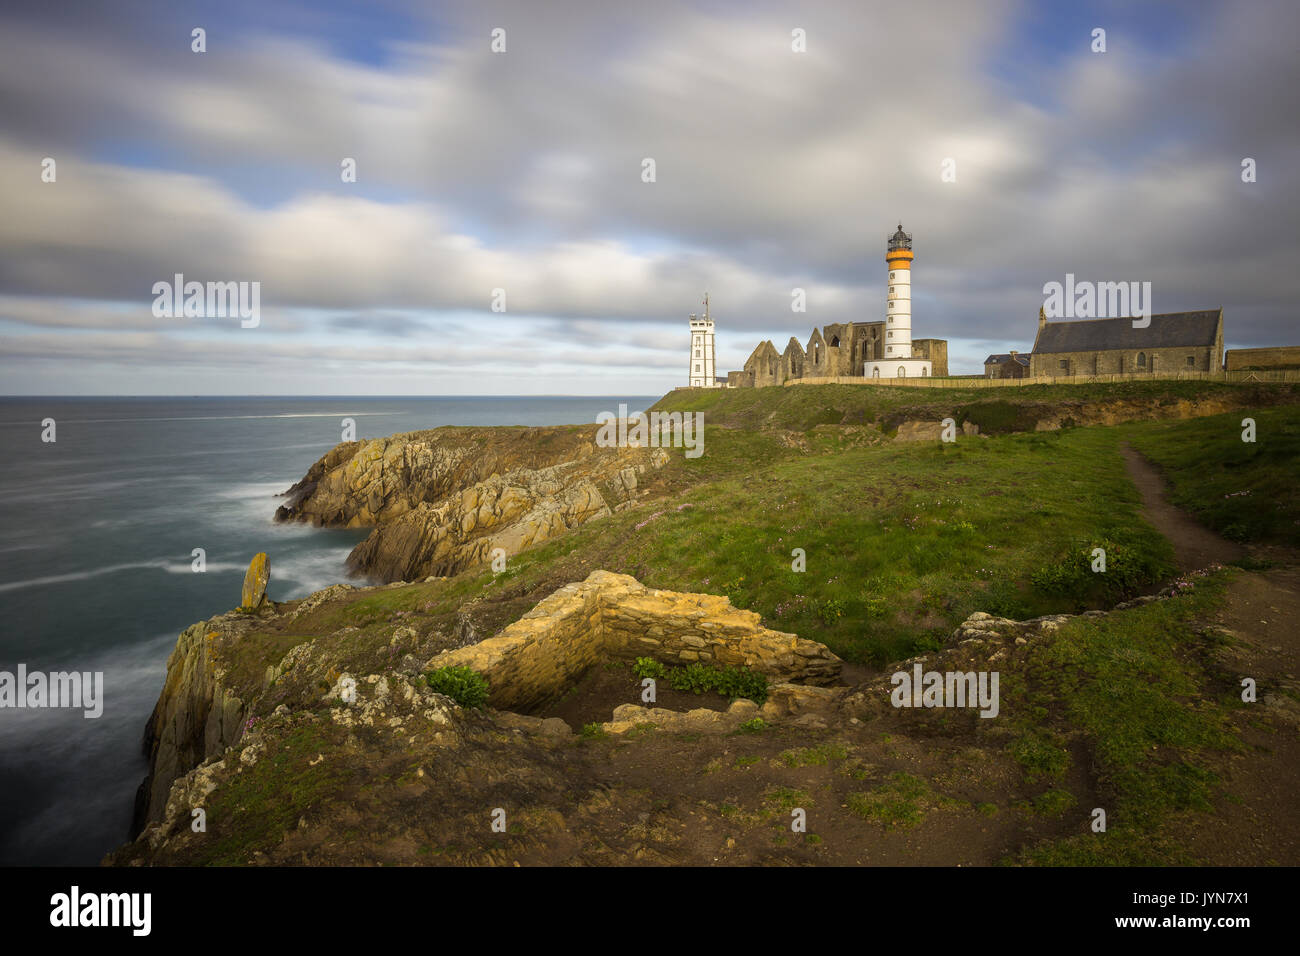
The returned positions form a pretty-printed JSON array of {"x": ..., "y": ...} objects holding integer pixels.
[{"x": 919, "y": 431}]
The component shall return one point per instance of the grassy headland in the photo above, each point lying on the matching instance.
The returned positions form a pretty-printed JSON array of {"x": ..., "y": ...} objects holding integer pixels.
[{"x": 1135, "y": 712}]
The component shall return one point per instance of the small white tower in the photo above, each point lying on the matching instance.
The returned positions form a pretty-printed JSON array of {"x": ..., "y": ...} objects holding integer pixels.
[
  {"x": 898, "y": 361},
  {"x": 702, "y": 359}
]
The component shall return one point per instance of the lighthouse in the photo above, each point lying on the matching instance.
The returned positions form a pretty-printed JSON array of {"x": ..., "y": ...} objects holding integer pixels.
[
  {"x": 898, "y": 361},
  {"x": 702, "y": 365}
]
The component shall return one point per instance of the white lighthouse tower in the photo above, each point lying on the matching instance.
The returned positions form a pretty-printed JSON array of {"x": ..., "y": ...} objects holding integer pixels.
[
  {"x": 702, "y": 359},
  {"x": 898, "y": 361}
]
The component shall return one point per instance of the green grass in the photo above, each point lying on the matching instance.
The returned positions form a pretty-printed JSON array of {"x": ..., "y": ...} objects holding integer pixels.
[
  {"x": 902, "y": 541},
  {"x": 253, "y": 809},
  {"x": 818, "y": 756},
  {"x": 1040, "y": 756},
  {"x": 803, "y": 407},
  {"x": 1132, "y": 687},
  {"x": 1243, "y": 490},
  {"x": 899, "y": 802},
  {"x": 788, "y": 798}
]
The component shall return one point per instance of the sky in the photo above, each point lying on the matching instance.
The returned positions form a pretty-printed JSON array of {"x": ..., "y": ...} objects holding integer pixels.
[{"x": 522, "y": 170}]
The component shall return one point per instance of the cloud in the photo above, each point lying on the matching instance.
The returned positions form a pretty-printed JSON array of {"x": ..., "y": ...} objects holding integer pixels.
[{"x": 521, "y": 171}]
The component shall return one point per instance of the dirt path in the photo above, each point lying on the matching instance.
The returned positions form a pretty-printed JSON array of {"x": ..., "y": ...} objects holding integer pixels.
[
  {"x": 1194, "y": 546},
  {"x": 1258, "y": 822}
]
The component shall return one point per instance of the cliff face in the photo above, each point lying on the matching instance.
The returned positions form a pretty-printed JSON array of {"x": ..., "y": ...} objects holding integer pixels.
[
  {"x": 443, "y": 500},
  {"x": 197, "y": 716},
  {"x": 340, "y": 718}
]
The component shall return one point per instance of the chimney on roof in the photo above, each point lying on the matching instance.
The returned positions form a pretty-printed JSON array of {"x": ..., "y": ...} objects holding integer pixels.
[
  {"x": 1042, "y": 316},
  {"x": 1013, "y": 353}
]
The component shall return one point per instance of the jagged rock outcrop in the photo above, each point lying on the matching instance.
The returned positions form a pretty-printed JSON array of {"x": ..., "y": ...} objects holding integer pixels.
[
  {"x": 197, "y": 716},
  {"x": 211, "y": 694},
  {"x": 445, "y": 499}
]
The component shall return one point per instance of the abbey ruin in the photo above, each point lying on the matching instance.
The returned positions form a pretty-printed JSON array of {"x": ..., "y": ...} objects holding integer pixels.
[{"x": 878, "y": 350}]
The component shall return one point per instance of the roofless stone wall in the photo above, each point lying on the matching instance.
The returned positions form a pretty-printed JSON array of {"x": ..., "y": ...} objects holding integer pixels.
[{"x": 611, "y": 615}]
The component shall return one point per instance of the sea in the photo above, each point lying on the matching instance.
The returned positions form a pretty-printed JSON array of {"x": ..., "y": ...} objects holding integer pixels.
[{"x": 97, "y": 566}]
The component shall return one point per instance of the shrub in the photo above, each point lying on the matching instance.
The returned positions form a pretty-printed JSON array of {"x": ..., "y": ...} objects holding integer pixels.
[
  {"x": 829, "y": 611},
  {"x": 648, "y": 667},
  {"x": 1128, "y": 570},
  {"x": 730, "y": 682},
  {"x": 464, "y": 685}
]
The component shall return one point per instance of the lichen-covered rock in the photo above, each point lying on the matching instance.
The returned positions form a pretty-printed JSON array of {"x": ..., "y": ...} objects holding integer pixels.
[
  {"x": 919, "y": 431},
  {"x": 196, "y": 717},
  {"x": 701, "y": 720},
  {"x": 442, "y": 500},
  {"x": 256, "y": 578}
]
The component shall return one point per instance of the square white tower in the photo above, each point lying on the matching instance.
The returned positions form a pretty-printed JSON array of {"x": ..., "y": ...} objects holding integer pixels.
[{"x": 702, "y": 374}]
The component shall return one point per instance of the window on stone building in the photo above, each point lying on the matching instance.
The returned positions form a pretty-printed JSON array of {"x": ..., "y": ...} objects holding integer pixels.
[
  {"x": 1142, "y": 360},
  {"x": 902, "y": 372},
  {"x": 1191, "y": 360},
  {"x": 890, "y": 334},
  {"x": 875, "y": 372},
  {"x": 697, "y": 366},
  {"x": 1065, "y": 363},
  {"x": 835, "y": 342}
]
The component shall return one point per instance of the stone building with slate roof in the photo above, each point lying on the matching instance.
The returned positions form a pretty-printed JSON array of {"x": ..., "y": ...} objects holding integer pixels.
[
  {"x": 1006, "y": 365},
  {"x": 1173, "y": 342}
]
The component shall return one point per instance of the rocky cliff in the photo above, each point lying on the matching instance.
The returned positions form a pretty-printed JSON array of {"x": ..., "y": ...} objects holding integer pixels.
[
  {"x": 197, "y": 716},
  {"x": 220, "y": 714},
  {"x": 442, "y": 500}
]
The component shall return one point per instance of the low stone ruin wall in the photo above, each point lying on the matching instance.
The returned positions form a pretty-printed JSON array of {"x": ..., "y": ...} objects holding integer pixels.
[{"x": 611, "y": 615}]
